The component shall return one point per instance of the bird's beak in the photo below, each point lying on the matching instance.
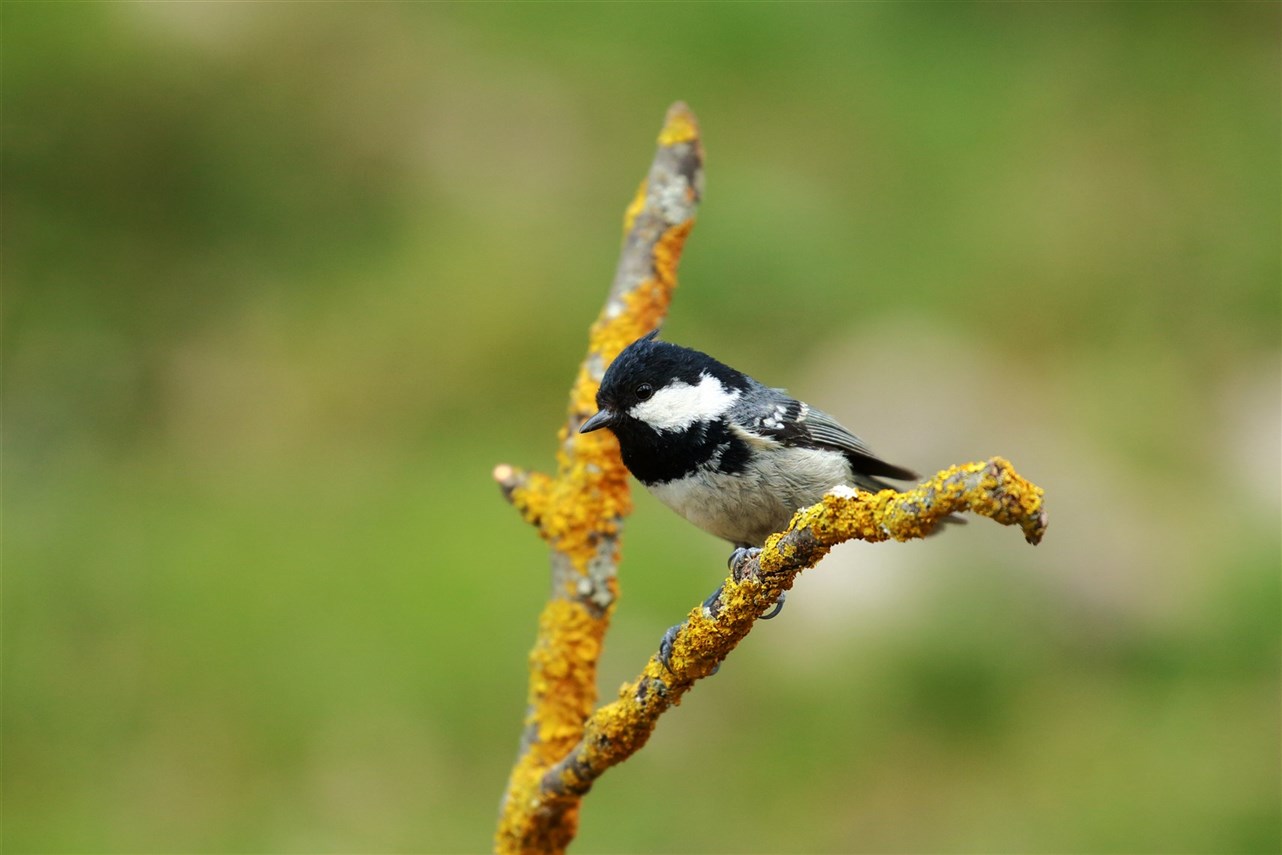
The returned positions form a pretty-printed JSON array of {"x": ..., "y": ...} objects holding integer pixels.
[{"x": 600, "y": 420}]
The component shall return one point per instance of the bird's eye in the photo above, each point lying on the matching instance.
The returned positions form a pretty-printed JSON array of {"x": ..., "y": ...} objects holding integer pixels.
[{"x": 644, "y": 391}]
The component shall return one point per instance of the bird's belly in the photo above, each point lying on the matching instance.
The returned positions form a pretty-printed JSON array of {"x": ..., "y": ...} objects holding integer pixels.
[{"x": 747, "y": 507}]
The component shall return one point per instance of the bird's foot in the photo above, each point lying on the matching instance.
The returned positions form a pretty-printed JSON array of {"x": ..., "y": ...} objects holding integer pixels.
[
  {"x": 736, "y": 561},
  {"x": 712, "y": 605},
  {"x": 665, "y": 648},
  {"x": 739, "y": 556}
]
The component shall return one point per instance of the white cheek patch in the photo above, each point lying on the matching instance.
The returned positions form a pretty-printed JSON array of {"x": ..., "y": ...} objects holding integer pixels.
[{"x": 679, "y": 405}]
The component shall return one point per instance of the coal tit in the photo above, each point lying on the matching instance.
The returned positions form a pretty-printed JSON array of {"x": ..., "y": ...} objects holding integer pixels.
[{"x": 732, "y": 456}]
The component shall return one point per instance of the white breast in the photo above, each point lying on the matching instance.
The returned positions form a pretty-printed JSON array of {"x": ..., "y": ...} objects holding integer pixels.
[{"x": 748, "y": 507}]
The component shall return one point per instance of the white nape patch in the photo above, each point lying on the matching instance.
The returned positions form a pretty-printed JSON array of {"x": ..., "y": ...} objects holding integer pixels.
[{"x": 679, "y": 405}]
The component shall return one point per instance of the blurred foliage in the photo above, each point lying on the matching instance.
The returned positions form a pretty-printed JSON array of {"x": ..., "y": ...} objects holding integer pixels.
[{"x": 283, "y": 282}]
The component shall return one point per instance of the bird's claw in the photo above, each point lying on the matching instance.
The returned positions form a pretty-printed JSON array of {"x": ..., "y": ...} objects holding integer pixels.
[
  {"x": 665, "y": 649},
  {"x": 709, "y": 605},
  {"x": 741, "y": 554},
  {"x": 736, "y": 561},
  {"x": 774, "y": 613}
]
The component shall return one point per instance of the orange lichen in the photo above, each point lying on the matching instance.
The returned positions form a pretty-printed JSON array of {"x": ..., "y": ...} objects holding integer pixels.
[
  {"x": 561, "y": 696},
  {"x": 579, "y": 512},
  {"x": 590, "y": 493},
  {"x": 667, "y": 252},
  {"x": 562, "y": 668}
]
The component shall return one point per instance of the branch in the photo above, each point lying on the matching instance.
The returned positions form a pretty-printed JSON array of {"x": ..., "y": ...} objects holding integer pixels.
[
  {"x": 580, "y": 511},
  {"x": 617, "y": 730},
  {"x": 565, "y": 746}
]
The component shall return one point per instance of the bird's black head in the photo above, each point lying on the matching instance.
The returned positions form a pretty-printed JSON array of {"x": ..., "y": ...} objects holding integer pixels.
[{"x": 657, "y": 387}]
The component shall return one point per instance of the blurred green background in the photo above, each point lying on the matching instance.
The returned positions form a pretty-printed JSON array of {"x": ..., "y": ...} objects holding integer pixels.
[{"x": 283, "y": 282}]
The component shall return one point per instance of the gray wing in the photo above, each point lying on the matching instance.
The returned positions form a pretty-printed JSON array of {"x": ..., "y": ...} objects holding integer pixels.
[
  {"x": 822, "y": 429},
  {"x": 825, "y": 430},
  {"x": 794, "y": 423}
]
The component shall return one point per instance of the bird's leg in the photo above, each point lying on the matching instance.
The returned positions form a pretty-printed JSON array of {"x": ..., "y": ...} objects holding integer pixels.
[{"x": 712, "y": 604}]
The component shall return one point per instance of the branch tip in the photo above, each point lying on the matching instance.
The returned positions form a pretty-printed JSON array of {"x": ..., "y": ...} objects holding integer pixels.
[
  {"x": 679, "y": 125},
  {"x": 510, "y": 479}
]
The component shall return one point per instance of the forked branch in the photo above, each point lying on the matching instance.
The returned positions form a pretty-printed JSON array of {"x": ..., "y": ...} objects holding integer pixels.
[{"x": 565, "y": 746}]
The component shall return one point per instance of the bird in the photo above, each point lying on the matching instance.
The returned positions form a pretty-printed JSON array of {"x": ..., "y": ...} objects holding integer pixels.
[{"x": 731, "y": 455}]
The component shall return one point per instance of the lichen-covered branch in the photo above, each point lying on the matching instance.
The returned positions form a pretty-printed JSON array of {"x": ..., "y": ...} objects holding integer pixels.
[
  {"x": 614, "y": 732},
  {"x": 580, "y": 510}
]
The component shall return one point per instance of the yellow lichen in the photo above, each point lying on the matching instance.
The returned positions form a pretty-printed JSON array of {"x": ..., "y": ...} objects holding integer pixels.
[
  {"x": 590, "y": 493},
  {"x": 578, "y": 512},
  {"x": 679, "y": 127},
  {"x": 567, "y": 745},
  {"x": 635, "y": 207},
  {"x": 618, "y": 729},
  {"x": 561, "y": 696}
]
